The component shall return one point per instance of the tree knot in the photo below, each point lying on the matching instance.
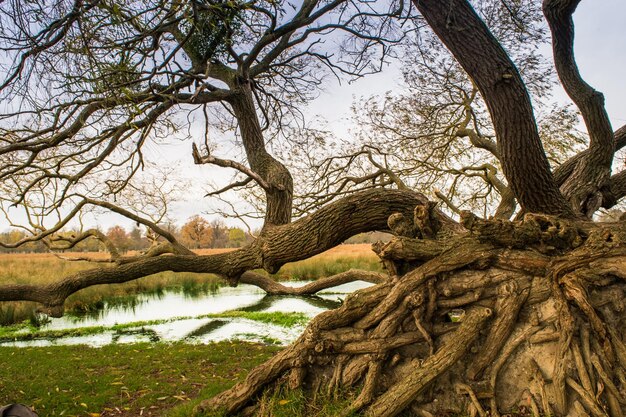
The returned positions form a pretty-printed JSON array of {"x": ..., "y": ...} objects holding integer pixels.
[
  {"x": 423, "y": 225},
  {"x": 508, "y": 289}
]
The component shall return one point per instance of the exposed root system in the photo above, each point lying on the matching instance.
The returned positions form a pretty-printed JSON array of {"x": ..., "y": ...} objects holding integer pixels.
[{"x": 523, "y": 317}]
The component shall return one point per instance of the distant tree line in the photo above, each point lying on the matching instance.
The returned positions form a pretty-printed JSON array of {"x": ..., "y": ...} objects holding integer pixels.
[{"x": 196, "y": 233}]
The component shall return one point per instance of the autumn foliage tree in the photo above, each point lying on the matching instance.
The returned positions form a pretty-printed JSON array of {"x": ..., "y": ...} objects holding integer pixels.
[
  {"x": 537, "y": 293},
  {"x": 236, "y": 236},
  {"x": 196, "y": 233},
  {"x": 119, "y": 237}
]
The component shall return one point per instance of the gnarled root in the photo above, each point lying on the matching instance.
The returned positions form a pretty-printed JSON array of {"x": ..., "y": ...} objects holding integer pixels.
[{"x": 479, "y": 326}]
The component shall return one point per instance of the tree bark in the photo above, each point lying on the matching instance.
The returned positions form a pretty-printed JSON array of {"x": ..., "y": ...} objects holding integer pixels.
[
  {"x": 272, "y": 287},
  {"x": 537, "y": 322},
  {"x": 523, "y": 159},
  {"x": 563, "y": 171},
  {"x": 279, "y": 194},
  {"x": 591, "y": 175}
]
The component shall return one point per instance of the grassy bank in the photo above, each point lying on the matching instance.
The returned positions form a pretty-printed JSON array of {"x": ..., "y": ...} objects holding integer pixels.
[
  {"x": 123, "y": 380},
  {"x": 159, "y": 379},
  {"x": 47, "y": 268}
]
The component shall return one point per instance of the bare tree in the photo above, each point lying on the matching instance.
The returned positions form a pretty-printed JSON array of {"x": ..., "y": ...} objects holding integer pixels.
[
  {"x": 541, "y": 297},
  {"x": 434, "y": 133},
  {"x": 96, "y": 81},
  {"x": 90, "y": 87},
  {"x": 533, "y": 330}
]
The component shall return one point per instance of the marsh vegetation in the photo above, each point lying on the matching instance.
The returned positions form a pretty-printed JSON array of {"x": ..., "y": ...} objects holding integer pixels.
[{"x": 36, "y": 268}]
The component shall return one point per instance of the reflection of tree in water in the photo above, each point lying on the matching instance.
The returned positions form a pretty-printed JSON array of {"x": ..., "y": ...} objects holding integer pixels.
[
  {"x": 97, "y": 310},
  {"x": 266, "y": 302},
  {"x": 206, "y": 328},
  {"x": 151, "y": 333}
]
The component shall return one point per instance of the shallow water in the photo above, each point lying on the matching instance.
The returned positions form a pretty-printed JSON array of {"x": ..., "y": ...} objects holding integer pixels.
[{"x": 186, "y": 323}]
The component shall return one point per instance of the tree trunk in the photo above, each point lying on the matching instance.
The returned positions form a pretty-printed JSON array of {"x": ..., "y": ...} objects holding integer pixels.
[
  {"x": 523, "y": 160},
  {"x": 586, "y": 183},
  {"x": 308, "y": 236},
  {"x": 279, "y": 194},
  {"x": 511, "y": 317}
]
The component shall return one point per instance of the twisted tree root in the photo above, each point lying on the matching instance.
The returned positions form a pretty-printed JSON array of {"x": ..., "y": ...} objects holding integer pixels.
[
  {"x": 399, "y": 396},
  {"x": 548, "y": 342}
]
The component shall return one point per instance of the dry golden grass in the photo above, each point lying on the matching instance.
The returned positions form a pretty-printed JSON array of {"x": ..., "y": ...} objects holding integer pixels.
[
  {"x": 41, "y": 268},
  {"x": 333, "y": 261},
  {"x": 358, "y": 249},
  {"x": 349, "y": 250}
]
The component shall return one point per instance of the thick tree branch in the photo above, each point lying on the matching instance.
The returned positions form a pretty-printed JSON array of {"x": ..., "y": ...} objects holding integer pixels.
[
  {"x": 616, "y": 189},
  {"x": 275, "y": 288},
  {"x": 564, "y": 171},
  {"x": 593, "y": 171},
  {"x": 306, "y": 237},
  {"x": 274, "y": 175}
]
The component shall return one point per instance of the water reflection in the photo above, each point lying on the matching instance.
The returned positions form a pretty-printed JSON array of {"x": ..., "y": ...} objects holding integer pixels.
[
  {"x": 184, "y": 321},
  {"x": 303, "y": 304},
  {"x": 206, "y": 328}
]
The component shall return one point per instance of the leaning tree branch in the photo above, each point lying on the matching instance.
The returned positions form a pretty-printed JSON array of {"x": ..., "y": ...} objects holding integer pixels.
[
  {"x": 329, "y": 226},
  {"x": 275, "y": 288},
  {"x": 179, "y": 248},
  {"x": 65, "y": 242},
  {"x": 565, "y": 170},
  {"x": 157, "y": 249},
  {"x": 616, "y": 189}
]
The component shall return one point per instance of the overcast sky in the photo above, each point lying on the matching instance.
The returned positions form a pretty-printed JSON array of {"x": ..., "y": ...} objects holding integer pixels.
[
  {"x": 601, "y": 56},
  {"x": 601, "y": 52}
]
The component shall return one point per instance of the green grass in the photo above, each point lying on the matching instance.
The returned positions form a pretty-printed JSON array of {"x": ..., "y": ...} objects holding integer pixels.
[
  {"x": 278, "y": 318},
  {"x": 323, "y": 266},
  {"x": 135, "y": 379},
  {"x": 281, "y": 402},
  {"x": 294, "y": 403}
]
